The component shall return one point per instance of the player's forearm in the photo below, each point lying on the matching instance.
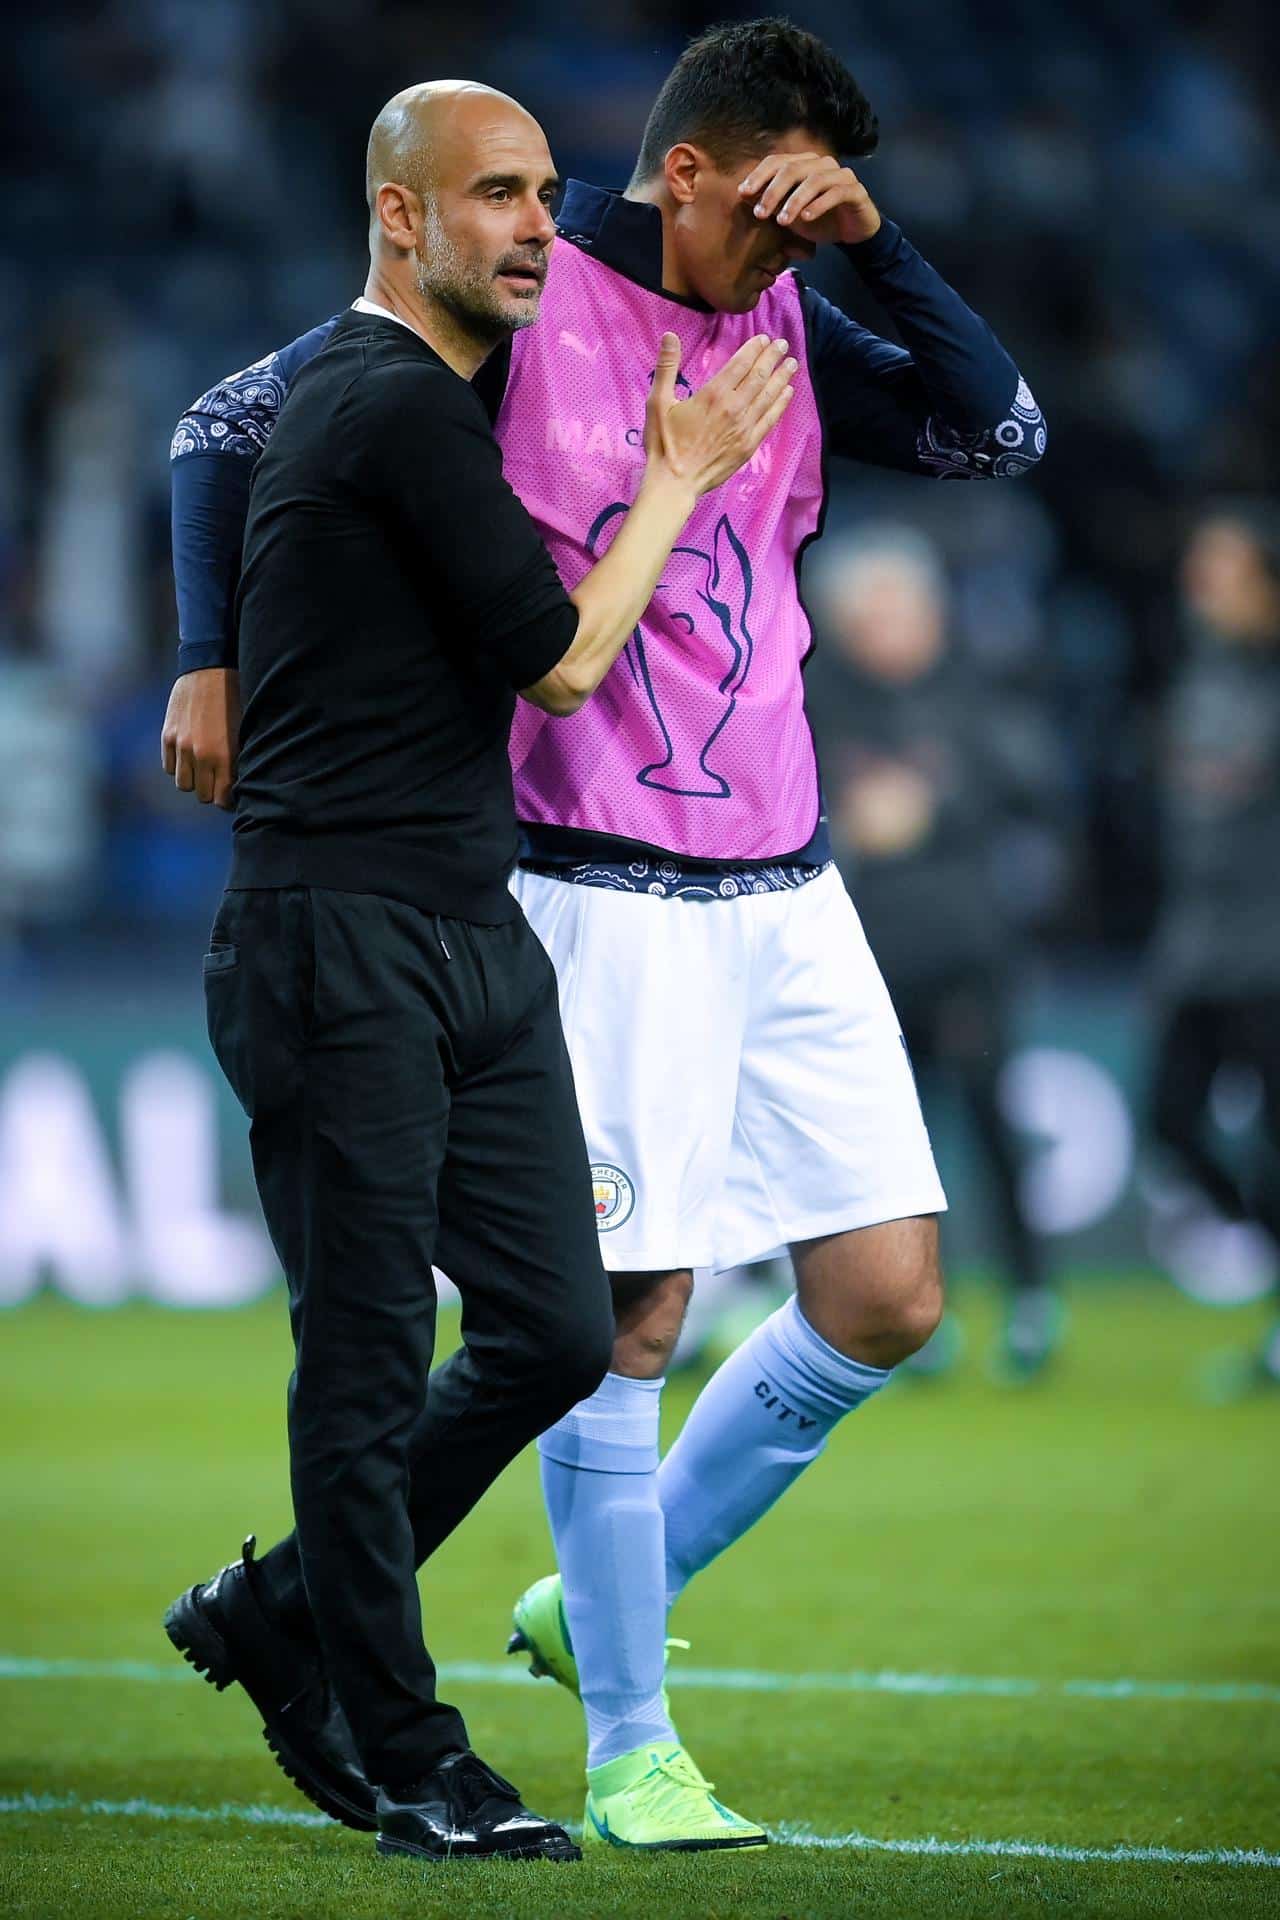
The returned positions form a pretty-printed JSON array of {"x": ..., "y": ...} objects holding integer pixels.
[
  {"x": 612, "y": 597},
  {"x": 969, "y": 376},
  {"x": 210, "y": 504}
]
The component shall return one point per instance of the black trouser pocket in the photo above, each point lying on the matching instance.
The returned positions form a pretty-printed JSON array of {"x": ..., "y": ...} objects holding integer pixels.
[
  {"x": 259, "y": 988},
  {"x": 224, "y": 1018}
]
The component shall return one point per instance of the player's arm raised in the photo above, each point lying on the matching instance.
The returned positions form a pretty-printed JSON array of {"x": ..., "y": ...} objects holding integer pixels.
[
  {"x": 692, "y": 446},
  {"x": 815, "y": 195},
  {"x": 953, "y": 402}
]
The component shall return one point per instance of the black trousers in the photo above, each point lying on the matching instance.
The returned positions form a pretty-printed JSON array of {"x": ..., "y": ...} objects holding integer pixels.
[
  {"x": 410, "y": 1101},
  {"x": 957, "y": 1028},
  {"x": 1197, "y": 1036}
]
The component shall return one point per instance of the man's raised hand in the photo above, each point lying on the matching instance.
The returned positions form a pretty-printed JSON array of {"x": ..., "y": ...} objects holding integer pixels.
[{"x": 706, "y": 438}]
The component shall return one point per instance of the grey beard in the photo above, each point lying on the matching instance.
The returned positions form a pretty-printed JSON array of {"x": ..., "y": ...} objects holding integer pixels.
[
  {"x": 466, "y": 299},
  {"x": 459, "y": 289}
]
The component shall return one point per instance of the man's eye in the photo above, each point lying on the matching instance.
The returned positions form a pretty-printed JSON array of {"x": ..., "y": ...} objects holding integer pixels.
[{"x": 499, "y": 194}]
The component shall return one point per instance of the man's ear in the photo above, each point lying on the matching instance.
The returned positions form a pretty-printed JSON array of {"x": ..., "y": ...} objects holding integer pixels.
[
  {"x": 681, "y": 169},
  {"x": 397, "y": 216}
]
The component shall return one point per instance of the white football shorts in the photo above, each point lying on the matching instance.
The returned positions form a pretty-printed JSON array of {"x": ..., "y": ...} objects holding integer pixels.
[{"x": 741, "y": 1073}]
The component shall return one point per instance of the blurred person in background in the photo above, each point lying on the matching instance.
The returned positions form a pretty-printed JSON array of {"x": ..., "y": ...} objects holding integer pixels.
[
  {"x": 677, "y": 863},
  {"x": 1216, "y": 953},
  {"x": 924, "y": 762}
]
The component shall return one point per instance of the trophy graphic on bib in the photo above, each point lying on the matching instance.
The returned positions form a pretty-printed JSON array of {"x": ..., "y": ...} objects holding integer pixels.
[{"x": 692, "y": 670}]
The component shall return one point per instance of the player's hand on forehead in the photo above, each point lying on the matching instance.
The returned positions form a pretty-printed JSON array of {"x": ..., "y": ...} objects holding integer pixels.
[{"x": 800, "y": 189}]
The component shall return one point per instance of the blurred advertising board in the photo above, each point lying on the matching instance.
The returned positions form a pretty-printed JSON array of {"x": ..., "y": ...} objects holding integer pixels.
[{"x": 124, "y": 1165}]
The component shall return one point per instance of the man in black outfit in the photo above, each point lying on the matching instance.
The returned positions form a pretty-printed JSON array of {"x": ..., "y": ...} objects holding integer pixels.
[
  {"x": 924, "y": 764},
  {"x": 375, "y": 997},
  {"x": 1216, "y": 961}
]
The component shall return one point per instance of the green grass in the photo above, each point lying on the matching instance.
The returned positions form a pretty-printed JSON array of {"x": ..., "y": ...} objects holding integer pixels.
[{"x": 1102, "y": 1525}]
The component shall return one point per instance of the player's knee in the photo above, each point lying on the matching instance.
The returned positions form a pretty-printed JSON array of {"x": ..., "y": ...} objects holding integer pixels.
[
  {"x": 919, "y": 1314},
  {"x": 895, "y": 1323},
  {"x": 650, "y": 1310},
  {"x": 643, "y": 1354}
]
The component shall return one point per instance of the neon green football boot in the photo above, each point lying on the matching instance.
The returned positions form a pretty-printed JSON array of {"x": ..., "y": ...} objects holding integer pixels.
[
  {"x": 540, "y": 1629},
  {"x": 655, "y": 1800}
]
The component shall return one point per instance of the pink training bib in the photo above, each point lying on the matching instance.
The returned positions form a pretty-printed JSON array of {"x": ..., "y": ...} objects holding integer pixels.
[{"x": 696, "y": 742}]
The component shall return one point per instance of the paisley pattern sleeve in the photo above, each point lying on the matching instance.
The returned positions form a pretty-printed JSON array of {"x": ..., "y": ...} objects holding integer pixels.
[
  {"x": 999, "y": 453},
  {"x": 235, "y": 416},
  {"x": 210, "y": 498},
  {"x": 949, "y": 402}
]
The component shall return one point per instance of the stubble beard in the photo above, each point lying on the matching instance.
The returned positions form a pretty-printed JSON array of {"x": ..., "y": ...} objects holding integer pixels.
[{"x": 464, "y": 288}]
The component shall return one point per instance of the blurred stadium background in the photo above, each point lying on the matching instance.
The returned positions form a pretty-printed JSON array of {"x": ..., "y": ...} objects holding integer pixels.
[
  {"x": 1105, "y": 189},
  {"x": 1042, "y": 734}
]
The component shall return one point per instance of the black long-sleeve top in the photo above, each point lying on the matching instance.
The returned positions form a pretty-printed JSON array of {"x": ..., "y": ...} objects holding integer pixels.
[{"x": 394, "y": 596}]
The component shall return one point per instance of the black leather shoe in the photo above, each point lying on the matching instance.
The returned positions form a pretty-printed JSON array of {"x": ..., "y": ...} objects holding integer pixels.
[
  {"x": 463, "y": 1810},
  {"x": 221, "y": 1629}
]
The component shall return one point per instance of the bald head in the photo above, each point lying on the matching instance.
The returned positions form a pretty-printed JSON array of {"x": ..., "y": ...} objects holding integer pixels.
[
  {"x": 424, "y": 129},
  {"x": 460, "y": 183}
]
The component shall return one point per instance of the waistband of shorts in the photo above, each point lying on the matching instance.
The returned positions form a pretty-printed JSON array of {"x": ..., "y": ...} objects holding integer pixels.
[{"x": 667, "y": 880}]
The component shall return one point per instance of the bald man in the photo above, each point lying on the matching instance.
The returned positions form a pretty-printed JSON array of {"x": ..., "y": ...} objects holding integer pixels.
[{"x": 375, "y": 996}]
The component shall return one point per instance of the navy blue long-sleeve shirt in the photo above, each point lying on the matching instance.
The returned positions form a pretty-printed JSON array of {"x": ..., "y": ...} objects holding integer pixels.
[{"x": 949, "y": 404}]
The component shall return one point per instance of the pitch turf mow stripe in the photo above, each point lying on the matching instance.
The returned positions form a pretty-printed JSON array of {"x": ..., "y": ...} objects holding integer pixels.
[
  {"x": 786, "y": 1833},
  {"x": 154, "y": 1810},
  {"x": 745, "y": 1680}
]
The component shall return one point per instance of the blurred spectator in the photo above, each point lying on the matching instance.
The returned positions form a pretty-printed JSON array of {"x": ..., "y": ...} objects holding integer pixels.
[
  {"x": 48, "y": 828},
  {"x": 1216, "y": 958},
  {"x": 927, "y": 763},
  {"x": 1105, "y": 182}
]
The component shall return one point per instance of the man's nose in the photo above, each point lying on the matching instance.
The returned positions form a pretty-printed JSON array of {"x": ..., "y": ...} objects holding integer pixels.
[
  {"x": 537, "y": 227},
  {"x": 795, "y": 246}
]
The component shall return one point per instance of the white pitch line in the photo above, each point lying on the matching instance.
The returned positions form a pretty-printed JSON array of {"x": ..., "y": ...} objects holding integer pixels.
[
  {"x": 787, "y": 1833},
  {"x": 14, "y": 1667},
  {"x": 790, "y": 1835},
  {"x": 484, "y": 1673},
  {"x": 141, "y": 1809}
]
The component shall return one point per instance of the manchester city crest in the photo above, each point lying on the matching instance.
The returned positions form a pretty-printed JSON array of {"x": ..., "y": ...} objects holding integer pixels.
[{"x": 614, "y": 1196}]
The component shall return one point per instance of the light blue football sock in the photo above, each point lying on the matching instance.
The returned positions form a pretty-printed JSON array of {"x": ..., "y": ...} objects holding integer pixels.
[
  {"x": 754, "y": 1428},
  {"x": 600, "y": 1483}
]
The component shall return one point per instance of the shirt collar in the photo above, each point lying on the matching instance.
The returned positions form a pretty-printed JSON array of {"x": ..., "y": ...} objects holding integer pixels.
[
  {"x": 624, "y": 234},
  {"x": 362, "y": 305}
]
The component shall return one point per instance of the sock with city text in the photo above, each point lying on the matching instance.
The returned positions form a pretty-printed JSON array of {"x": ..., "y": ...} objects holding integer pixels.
[
  {"x": 757, "y": 1424},
  {"x": 599, "y": 1479}
]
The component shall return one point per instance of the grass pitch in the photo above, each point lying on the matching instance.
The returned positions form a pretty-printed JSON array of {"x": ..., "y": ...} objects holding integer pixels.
[{"x": 924, "y": 1646}]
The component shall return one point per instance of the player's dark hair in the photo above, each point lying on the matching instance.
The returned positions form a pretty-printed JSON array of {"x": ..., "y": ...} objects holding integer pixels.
[{"x": 737, "y": 84}]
